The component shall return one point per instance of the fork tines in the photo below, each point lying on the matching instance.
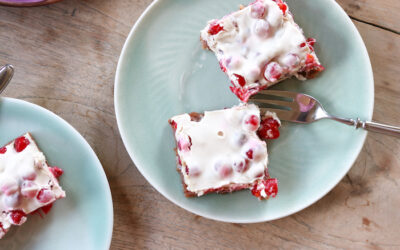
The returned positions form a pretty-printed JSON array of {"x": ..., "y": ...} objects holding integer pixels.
[{"x": 278, "y": 101}]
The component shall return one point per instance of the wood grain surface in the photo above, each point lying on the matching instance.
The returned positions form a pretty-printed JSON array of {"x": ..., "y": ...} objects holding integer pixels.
[
  {"x": 65, "y": 57},
  {"x": 26, "y": 4}
]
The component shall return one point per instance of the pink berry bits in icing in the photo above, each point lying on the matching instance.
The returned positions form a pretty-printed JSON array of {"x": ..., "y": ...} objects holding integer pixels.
[
  {"x": 220, "y": 151},
  {"x": 259, "y": 46},
  {"x": 27, "y": 183}
]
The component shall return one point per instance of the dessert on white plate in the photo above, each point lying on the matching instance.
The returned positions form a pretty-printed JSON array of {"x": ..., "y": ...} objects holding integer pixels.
[
  {"x": 221, "y": 151},
  {"x": 259, "y": 46},
  {"x": 27, "y": 182}
]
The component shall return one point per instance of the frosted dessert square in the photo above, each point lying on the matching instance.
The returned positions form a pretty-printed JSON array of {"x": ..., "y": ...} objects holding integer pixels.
[
  {"x": 260, "y": 45},
  {"x": 221, "y": 151},
  {"x": 27, "y": 182}
]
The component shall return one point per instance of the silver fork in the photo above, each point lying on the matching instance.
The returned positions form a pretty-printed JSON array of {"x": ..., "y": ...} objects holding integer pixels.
[{"x": 302, "y": 108}]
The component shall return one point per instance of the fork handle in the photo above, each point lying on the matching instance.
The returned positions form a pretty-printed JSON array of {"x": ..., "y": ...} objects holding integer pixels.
[
  {"x": 371, "y": 126},
  {"x": 379, "y": 128}
]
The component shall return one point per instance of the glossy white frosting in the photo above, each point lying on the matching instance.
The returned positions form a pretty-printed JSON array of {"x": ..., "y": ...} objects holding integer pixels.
[
  {"x": 248, "y": 44},
  {"x": 221, "y": 138},
  {"x": 22, "y": 175}
]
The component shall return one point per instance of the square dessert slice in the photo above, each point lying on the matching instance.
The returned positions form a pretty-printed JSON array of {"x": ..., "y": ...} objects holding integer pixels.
[
  {"x": 27, "y": 183},
  {"x": 220, "y": 151},
  {"x": 259, "y": 46}
]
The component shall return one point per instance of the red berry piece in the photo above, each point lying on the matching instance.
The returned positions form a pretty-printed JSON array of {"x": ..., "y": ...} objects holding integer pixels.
[
  {"x": 56, "y": 171},
  {"x": 46, "y": 209},
  {"x": 283, "y": 7},
  {"x": 255, "y": 191},
  {"x": 257, "y": 10},
  {"x": 255, "y": 150},
  {"x": 269, "y": 129},
  {"x": 311, "y": 41},
  {"x": 187, "y": 170},
  {"x": 271, "y": 187},
  {"x": 215, "y": 28},
  {"x": 265, "y": 188},
  {"x": 221, "y": 65},
  {"x": 45, "y": 195},
  {"x": 311, "y": 68},
  {"x": 3, "y": 150},
  {"x": 173, "y": 125},
  {"x": 240, "y": 80},
  {"x": 260, "y": 174},
  {"x": 21, "y": 143},
  {"x": 273, "y": 71},
  {"x": 249, "y": 154},
  {"x": 2, "y": 228},
  {"x": 252, "y": 122},
  {"x": 309, "y": 59},
  {"x": 17, "y": 216}
]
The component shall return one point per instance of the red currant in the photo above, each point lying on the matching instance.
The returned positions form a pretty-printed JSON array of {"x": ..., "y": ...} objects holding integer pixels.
[
  {"x": 269, "y": 129},
  {"x": 16, "y": 216},
  {"x": 240, "y": 80},
  {"x": 21, "y": 143},
  {"x": 3, "y": 150},
  {"x": 214, "y": 29},
  {"x": 56, "y": 171}
]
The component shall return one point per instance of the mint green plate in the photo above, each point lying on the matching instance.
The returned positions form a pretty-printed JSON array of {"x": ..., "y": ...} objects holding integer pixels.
[
  {"x": 82, "y": 220},
  {"x": 163, "y": 71}
]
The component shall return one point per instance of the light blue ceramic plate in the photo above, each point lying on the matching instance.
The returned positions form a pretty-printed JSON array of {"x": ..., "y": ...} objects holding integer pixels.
[
  {"x": 163, "y": 71},
  {"x": 82, "y": 220}
]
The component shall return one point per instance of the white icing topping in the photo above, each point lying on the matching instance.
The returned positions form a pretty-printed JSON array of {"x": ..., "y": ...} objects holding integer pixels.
[
  {"x": 255, "y": 37},
  {"x": 214, "y": 149},
  {"x": 22, "y": 175}
]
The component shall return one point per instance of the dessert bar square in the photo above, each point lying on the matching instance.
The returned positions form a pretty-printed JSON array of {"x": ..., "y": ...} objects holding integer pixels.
[
  {"x": 221, "y": 151},
  {"x": 27, "y": 183},
  {"x": 259, "y": 46}
]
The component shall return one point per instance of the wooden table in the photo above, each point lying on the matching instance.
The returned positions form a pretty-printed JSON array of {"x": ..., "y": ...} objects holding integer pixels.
[{"x": 65, "y": 57}]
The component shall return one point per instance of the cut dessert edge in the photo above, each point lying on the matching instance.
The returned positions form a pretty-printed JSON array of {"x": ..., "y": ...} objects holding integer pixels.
[
  {"x": 259, "y": 46},
  {"x": 241, "y": 169},
  {"x": 221, "y": 190},
  {"x": 28, "y": 184}
]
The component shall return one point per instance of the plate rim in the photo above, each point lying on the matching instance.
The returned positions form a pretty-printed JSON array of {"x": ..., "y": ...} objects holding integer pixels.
[
  {"x": 131, "y": 151},
  {"x": 104, "y": 179}
]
